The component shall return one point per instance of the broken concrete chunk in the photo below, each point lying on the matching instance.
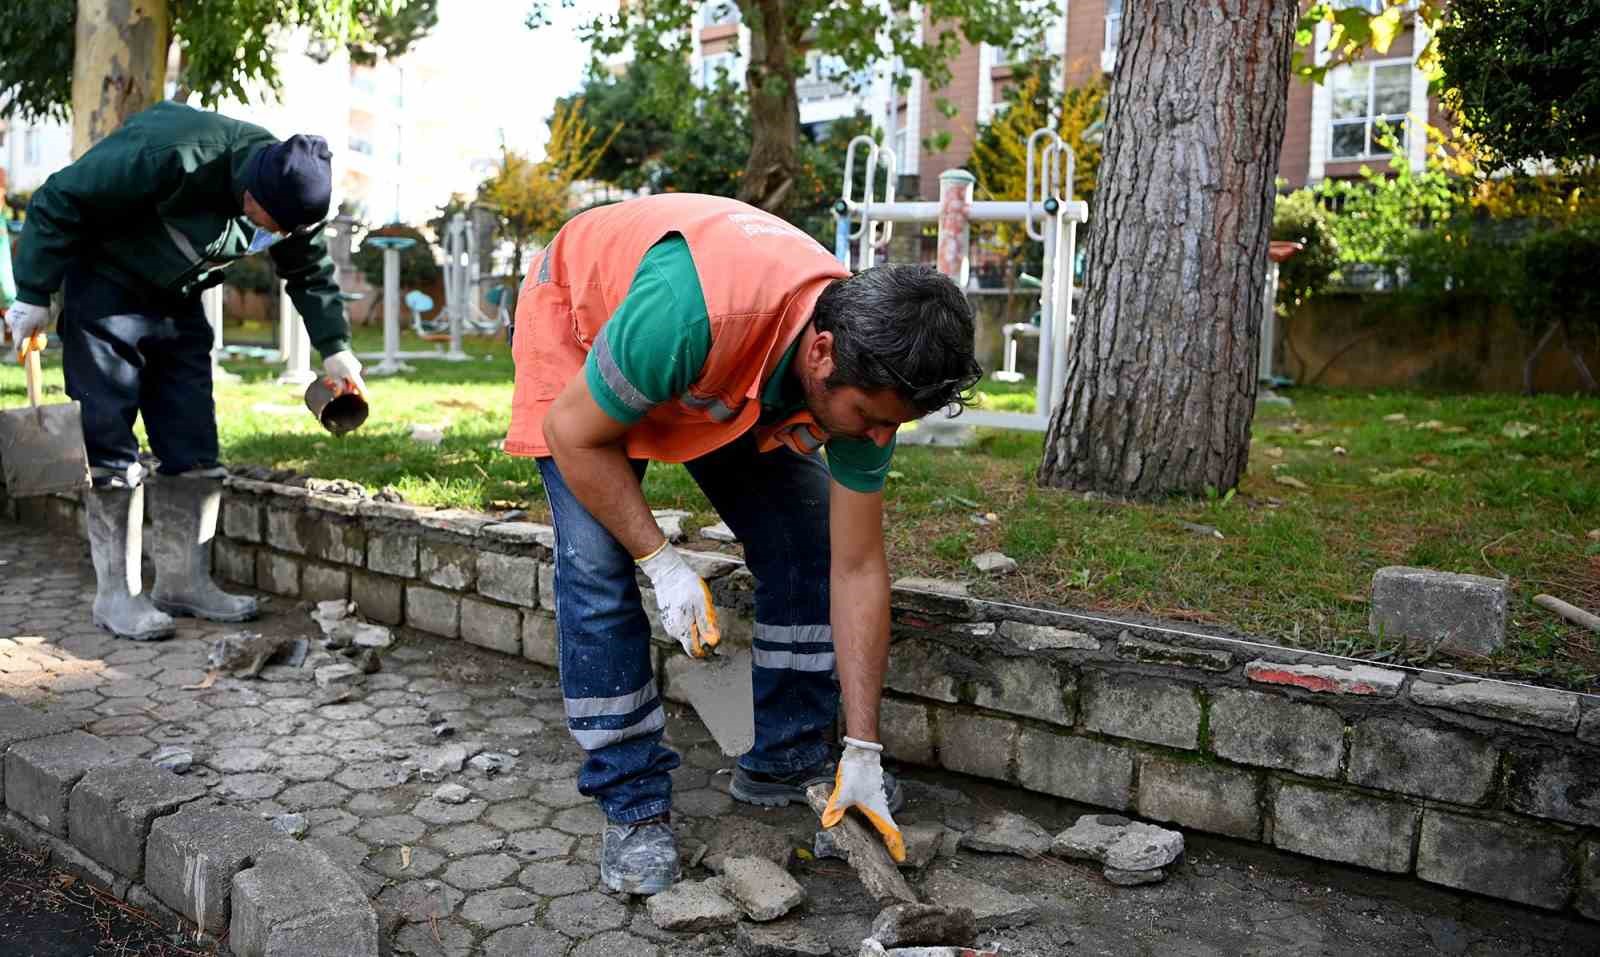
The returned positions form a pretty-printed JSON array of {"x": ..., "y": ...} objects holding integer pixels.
[
  {"x": 1119, "y": 843},
  {"x": 1133, "y": 878},
  {"x": 452, "y": 794},
  {"x": 742, "y": 837},
  {"x": 670, "y": 521},
  {"x": 865, "y": 851},
  {"x": 1008, "y": 833},
  {"x": 339, "y": 676},
  {"x": 293, "y": 825},
  {"x": 434, "y": 763},
  {"x": 492, "y": 762},
  {"x": 719, "y": 532},
  {"x": 992, "y": 907},
  {"x": 905, "y": 925},
  {"x": 995, "y": 563},
  {"x": 823, "y": 846},
  {"x": 173, "y": 757},
  {"x": 763, "y": 890},
  {"x": 692, "y": 906},
  {"x": 1089, "y": 837},
  {"x": 925, "y": 842},
  {"x": 332, "y": 610},
  {"x": 757, "y": 941}
]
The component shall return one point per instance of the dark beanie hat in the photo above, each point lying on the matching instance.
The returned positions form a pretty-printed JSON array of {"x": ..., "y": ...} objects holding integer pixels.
[{"x": 293, "y": 180}]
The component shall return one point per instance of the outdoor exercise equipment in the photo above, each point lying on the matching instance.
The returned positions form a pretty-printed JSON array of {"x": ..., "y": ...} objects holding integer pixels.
[
  {"x": 294, "y": 343},
  {"x": 393, "y": 359},
  {"x": 1011, "y": 331},
  {"x": 1049, "y": 213},
  {"x": 1280, "y": 251}
]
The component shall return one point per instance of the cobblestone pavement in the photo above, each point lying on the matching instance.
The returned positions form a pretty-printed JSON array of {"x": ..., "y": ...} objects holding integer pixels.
[{"x": 513, "y": 870}]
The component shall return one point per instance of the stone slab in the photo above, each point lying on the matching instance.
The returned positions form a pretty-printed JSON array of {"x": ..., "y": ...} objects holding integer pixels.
[
  {"x": 20, "y": 723},
  {"x": 1130, "y": 648},
  {"x": 1328, "y": 679},
  {"x": 1538, "y": 707},
  {"x": 1006, "y": 832},
  {"x": 1144, "y": 709},
  {"x": 1031, "y": 637},
  {"x": 191, "y": 858},
  {"x": 1500, "y": 860},
  {"x": 41, "y": 773},
  {"x": 1404, "y": 756},
  {"x": 1206, "y": 797},
  {"x": 296, "y": 901},
  {"x": 742, "y": 837},
  {"x": 909, "y": 925},
  {"x": 111, "y": 808},
  {"x": 1458, "y": 613},
  {"x": 762, "y": 889},
  {"x": 1345, "y": 827},
  {"x": 1079, "y": 769}
]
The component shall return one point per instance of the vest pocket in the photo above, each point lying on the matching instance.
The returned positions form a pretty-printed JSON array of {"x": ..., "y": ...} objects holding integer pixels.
[{"x": 546, "y": 354}]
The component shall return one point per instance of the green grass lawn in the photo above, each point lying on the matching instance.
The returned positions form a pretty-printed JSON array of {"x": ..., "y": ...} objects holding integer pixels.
[{"x": 1490, "y": 485}]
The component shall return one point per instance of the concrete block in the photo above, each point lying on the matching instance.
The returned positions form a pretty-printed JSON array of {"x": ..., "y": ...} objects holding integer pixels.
[
  {"x": 1078, "y": 769},
  {"x": 1561, "y": 786},
  {"x": 1538, "y": 707},
  {"x": 1144, "y": 709},
  {"x": 1499, "y": 860},
  {"x": 392, "y": 553},
  {"x": 1272, "y": 732},
  {"x": 488, "y": 625},
  {"x": 1461, "y": 613},
  {"x": 762, "y": 889},
  {"x": 1206, "y": 797},
  {"x": 1402, "y": 756},
  {"x": 921, "y": 668},
  {"x": 191, "y": 858},
  {"x": 19, "y": 723},
  {"x": 283, "y": 530},
  {"x": 41, "y": 773},
  {"x": 1032, "y": 687},
  {"x": 513, "y": 579},
  {"x": 433, "y": 610},
  {"x": 241, "y": 519},
  {"x": 379, "y": 598},
  {"x": 1130, "y": 648},
  {"x": 521, "y": 533},
  {"x": 456, "y": 521},
  {"x": 859, "y": 844},
  {"x": 296, "y": 901},
  {"x": 1045, "y": 638},
  {"x": 1345, "y": 827},
  {"x": 324, "y": 582},
  {"x": 1588, "y": 900},
  {"x": 1589, "y": 727},
  {"x": 448, "y": 565},
  {"x": 277, "y": 573},
  {"x": 539, "y": 638},
  {"x": 547, "y": 586},
  {"x": 236, "y": 563},
  {"x": 343, "y": 543},
  {"x": 904, "y": 729},
  {"x": 111, "y": 808},
  {"x": 977, "y": 744},
  {"x": 1328, "y": 679}
]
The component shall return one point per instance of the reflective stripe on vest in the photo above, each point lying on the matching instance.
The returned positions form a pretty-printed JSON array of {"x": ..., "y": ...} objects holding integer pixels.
[{"x": 712, "y": 406}]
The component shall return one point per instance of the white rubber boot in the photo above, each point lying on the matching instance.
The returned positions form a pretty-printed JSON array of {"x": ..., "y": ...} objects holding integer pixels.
[
  {"x": 116, "y": 527},
  {"x": 183, "y": 513}
]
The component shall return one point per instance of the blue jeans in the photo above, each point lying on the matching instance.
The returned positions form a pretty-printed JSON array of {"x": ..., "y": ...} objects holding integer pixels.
[
  {"x": 777, "y": 504},
  {"x": 127, "y": 354}
]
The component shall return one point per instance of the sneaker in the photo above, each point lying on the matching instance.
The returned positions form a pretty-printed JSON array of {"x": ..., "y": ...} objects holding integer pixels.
[
  {"x": 780, "y": 790},
  {"x": 639, "y": 858}
]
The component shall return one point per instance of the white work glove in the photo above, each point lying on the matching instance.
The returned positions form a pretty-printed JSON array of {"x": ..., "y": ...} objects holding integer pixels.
[
  {"x": 858, "y": 783},
  {"x": 25, "y": 320},
  {"x": 345, "y": 371},
  {"x": 684, "y": 600}
]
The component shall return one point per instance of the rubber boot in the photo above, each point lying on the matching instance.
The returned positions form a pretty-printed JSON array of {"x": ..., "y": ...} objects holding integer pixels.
[
  {"x": 116, "y": 520},
  {"x": 183, "y": 516}
]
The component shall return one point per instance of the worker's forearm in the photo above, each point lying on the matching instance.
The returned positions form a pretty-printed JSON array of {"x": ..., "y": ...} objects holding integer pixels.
[
  {"x": 860, "y": 619},
  {"x": 603, "y": 480}
]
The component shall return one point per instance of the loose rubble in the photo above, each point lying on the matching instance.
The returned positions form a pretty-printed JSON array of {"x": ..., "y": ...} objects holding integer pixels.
[
  {"x": 905, "y": 925},
  {"x": 294, "y": 825},
  {"x": 1132, "y": 852},
  {"x": 1006, "y": 832},
  {"x": 762, "y": 889},
  {"x": 174, "y": 758},
  {"x": 692, "y": 906},
  {"x": 742, "y": 837},
  {"x": 452, "y": 794},
  {"x": 865, "y": 851}
]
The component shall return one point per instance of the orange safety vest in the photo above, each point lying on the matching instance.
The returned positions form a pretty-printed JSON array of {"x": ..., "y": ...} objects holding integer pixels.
[{"x": 760, "y": 276}]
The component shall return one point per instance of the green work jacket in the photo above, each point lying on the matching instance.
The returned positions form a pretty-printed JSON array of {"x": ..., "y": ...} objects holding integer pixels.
[{"x": 159, "y": 205}]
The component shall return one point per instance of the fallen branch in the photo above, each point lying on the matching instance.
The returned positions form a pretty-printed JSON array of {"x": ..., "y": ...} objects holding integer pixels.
[{"x": 1571, "y": 613}]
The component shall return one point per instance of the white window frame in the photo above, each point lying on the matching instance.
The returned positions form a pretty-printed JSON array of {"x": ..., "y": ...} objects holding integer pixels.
[
  {"x": 710, "y": 62},
  {"x": 1111, "y": 37},
  {"x": 710, "y": 10},
  {"x": 1370, "y": 119}
]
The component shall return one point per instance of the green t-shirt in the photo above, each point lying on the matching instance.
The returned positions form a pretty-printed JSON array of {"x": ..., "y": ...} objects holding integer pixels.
[{"x": 653, "y": 347}]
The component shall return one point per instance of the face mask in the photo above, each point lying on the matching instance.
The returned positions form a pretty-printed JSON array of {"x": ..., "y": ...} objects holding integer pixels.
[{"x": 261, "y": 240}]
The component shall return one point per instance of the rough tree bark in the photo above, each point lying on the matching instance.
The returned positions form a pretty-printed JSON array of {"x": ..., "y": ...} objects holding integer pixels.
[
  {"x": 119, "y": 64},
  {"x": 1161, "y": 377},
  {"x": 770, "y": 79}
]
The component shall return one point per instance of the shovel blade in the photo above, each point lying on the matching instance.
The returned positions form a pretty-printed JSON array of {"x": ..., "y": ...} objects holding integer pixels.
[{"x": 41, "y": 450}]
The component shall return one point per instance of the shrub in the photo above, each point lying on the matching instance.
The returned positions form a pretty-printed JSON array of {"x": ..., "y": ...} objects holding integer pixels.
[{"x": 1300, "y": 217}]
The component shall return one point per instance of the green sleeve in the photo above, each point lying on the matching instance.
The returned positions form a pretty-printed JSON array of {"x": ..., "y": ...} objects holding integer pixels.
[
  {"x": 308, "y": 276},
  {"x": 859, "y": 464},
  {"x": 8, "y": 283},
  {"x": 653, "y": 347},
  {"x": 114, "y": 180}
]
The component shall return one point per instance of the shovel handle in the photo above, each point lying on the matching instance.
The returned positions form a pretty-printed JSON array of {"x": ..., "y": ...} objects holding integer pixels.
[{"x": 32, "y": 365}]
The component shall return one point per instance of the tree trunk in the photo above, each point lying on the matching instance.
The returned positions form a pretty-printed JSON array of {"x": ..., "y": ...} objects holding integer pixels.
[
  {"x": 119, "y": 64},
  {"x": 768, "y": 180},
  {"x": 1161, "y": 377}
]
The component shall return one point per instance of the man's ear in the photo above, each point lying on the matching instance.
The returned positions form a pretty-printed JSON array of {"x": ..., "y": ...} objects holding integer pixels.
[{"x": 819, "y": 358}]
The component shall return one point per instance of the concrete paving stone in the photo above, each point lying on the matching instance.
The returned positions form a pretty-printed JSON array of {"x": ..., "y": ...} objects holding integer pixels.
[
  {"x": 616, "y": 942},
  {"x": 556, "y": 878},
  {"x": 992, "y": 907},
  {"x": 500, "y": 907},
  {"x": 435, "y": 811},
  {"x": 388, "y": 698},
  {"x": 143, "y": 669},
  {"x": 516, "y": 815},
  {"x": 191, "y": 858},
  {"x": 429, "y": 685},
  {"x": 501, "y": 788},
  {"x": 755, "y": 940},
  {"x": 437, "y": 939},
  {"x": 379, "y": 803},
  {"x": 706, "y": 802},
  {"x": 349, "y": 852},
  {"x": 353, "y": 730},
  {"x": 442, "y": 701},
  {"x": 349, "y": 711},
  {"x": 179, "y": 677},
  {"x": 127, "y": 687},
  {"x": 497, "y": 707},
  {"x": 250, "y": 787},
  {"x": 560, "y": 793},
  {"x": 40, "y": 774},
  {"x": 327, "y": 820},
  {"x": 134, "y": 744},
  {"x": 391, "y": 862},
  {"x": 75, "y": 701},
  {"x": 235, "y": 760},
  {"x": 398, "y": 716},
  {"x": 541, "y": 844},
  {"x": 121, "y": 724},
  {"x": 132, "y": 653},
  {"x": 419, "y": 899},
  {"x": 294, "y": 901},
  {"x": 395, "y": 829},
  {"x": 238, "y": 719},
  {"x": 582, "y": 820},
  {"x": 518, "y": 726},
  {"x": 580, "y": 915},
  {"x": 369, "y": 776},
  {"x": 480, "y": 872},
  {"x": 307, "y": 767},
  {"x": 466, "y": 839},
  {"x": 527, "y": 942},
  {"x": 111, "y": 808}
]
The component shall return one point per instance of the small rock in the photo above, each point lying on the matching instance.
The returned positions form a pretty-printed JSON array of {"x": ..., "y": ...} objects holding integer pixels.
[
  {"x": 513, "y": 515},
  {"x": 1594, "y": 534},
  {"x": 174, "y": 758},
  {"x": 995, "y": 563},
  {"x": 332, "y": 610},
  {"x": 1124, "y": 878},
  {"x": 1008, "y": 833},
  {"x": 1518, "y": 430},
  {"x": 691, "y": 852},
  {"x": 823, "y": 846},
  {"x": 342, "y": 675},
  {"x": 1340, "y": 450},
  {"x": 428, "y": 434},
  {"x": 692, "y": 906},
  {"x": 719, "y": 532},
  {"x": 763, "y": 890},
  {"x": 1204, "y": 531},
  {"x": 366, "y": 635},
  {"x": 368, "y": 661},
  {"x": 389, "y": 494},
  {"x": 452, "y": 794},
  {"x": 295, "y": 655},
  {"x": 492, "y": 762},
  {"x": 1268, "y": 397},
  {"x": 293, "y": 825},
  {"x": 742, "y": 837},
  {"x": 757, "y": 941},
  {"x": 908, "y": 925},
  {"x": 341, "y": 487},
  {"x": 1119, "y": 843},
  {"x": 435, "y": 763},
  {"x": 670, "y": 521}
]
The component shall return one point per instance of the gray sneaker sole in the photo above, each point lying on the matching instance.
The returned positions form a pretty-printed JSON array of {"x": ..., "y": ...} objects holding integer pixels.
[
  {"x": 642, "y": 886},
  {"x": 773, "y": 794}
]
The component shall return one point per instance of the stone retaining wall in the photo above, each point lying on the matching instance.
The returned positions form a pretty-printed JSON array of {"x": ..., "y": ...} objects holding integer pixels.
[{"x": 1473, "y": 784}]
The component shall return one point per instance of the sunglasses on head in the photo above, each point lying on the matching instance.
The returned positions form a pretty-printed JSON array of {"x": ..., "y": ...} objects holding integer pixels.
[{"x": 933, "y": 391}]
